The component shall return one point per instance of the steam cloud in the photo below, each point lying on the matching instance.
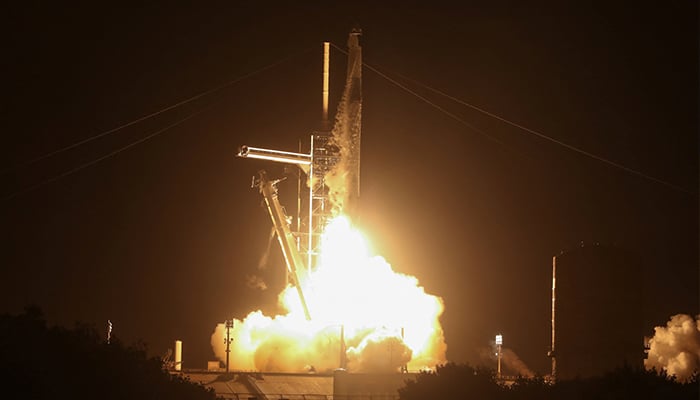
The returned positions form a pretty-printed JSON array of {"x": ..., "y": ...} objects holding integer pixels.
[{"x": 676, "y": 347}]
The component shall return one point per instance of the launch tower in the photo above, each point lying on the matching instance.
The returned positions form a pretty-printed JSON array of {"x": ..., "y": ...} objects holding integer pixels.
[{"x": 331, "y": 167}]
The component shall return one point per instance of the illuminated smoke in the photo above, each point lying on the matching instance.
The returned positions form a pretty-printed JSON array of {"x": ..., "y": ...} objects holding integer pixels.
[
  {"x": 509, "y": 360},
  {"x": 676, "y": 347},
  {"x": 514, "y": 363},
  {"x": 379, "y": 352},
  {"x": 343, "y": 180},
  {"x": 255, "y": 282},
  {"x": 349, "y": 288},
  {"x": 262, "y": 264}
]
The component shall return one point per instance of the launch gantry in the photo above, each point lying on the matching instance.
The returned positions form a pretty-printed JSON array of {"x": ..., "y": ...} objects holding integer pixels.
[
  {"x": 328, "y": 151},
  {"x": 284, "y": 234}
]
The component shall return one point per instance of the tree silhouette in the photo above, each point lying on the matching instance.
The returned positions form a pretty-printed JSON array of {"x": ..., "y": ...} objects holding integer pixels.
[
  {"x": 452, "y": 381},
  {"x": 41, "y": 362}
]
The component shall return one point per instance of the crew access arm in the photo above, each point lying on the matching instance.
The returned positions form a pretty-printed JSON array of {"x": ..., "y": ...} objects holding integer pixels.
[{"x": 279, "y": 220}]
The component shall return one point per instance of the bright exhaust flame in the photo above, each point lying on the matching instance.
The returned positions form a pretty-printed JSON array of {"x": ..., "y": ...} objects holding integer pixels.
[{"x": 349, "y": 288}]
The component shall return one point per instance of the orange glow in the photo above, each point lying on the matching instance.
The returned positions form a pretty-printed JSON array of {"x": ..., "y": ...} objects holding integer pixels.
[{"x": 350, "y": 288}]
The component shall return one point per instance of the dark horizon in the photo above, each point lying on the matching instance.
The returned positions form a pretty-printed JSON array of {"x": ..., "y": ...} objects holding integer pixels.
[{"x": 160, "y": 237}]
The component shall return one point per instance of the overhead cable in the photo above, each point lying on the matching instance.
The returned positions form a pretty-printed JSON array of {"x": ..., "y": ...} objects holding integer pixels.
[
  {"x": 134, "y": 143},
  {"x": 95, "y": 161},
  {"x": 151, "y": 115},
  {"x": 519, "y": 126},
  {"x": 441, "y": 109},
  {"x": 551, "y": 139}
]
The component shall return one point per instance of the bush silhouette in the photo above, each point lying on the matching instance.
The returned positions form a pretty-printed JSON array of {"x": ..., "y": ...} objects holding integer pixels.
[
  {"x": 453, "y": 381},
  {"x": 41, "y": 362}
]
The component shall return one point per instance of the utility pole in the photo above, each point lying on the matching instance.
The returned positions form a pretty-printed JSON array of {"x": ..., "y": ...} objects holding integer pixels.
[{"x": 228, "y": 340}]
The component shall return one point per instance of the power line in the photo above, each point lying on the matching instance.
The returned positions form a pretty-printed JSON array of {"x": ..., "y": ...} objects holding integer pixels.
[
  {"x": 151, "y": 115},
  {"x": 95, "y": 161},
  {"x": 559, "y": 142},
  {"x": 156, "y": 133},
  {"x": 451, "y": 115},
  {"x": 551, "y": 139}
]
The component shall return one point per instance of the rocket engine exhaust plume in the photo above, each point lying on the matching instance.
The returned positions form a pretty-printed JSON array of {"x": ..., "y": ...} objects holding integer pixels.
[
  {"x": 366, "y": 317},
  {"x": 675, "y": 348},
  {"x": 387, "y": 320}
]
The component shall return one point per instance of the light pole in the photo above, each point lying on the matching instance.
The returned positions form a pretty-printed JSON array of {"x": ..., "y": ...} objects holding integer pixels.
[
  {"x": 228, "y": 339},
  {"x": 499, "y": 345}
]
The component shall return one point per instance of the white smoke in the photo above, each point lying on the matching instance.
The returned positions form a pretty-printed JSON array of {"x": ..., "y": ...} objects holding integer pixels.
[
  {"x": 278, "y": 344},
  {"x": 341, "y": 180},
  {"x": 386, "y": 319},
  {"x": 514, "y": 363},
  {"x": 676, "y": 347},
  {"x": 378, "y": 352},
  {"x": 344, "y": 179},
  {"x": 511, "y": 363}
]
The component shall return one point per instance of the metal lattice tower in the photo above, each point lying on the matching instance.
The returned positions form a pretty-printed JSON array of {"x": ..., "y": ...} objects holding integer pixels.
[
  {"x": 324, "y": 156},
  {"x": 327, "y": 150}
]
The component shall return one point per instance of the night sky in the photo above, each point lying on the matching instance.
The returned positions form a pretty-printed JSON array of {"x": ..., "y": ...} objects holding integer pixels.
[{"x": 160, "y": 237}]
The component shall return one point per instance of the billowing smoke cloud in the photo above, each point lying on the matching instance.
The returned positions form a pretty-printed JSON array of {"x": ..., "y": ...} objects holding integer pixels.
[
  {"x": 378, "y": 352},
  {"x": 386, "y": 318},
  {"x": 675, "y": 348},
  {"x": 280, "y": 344}
]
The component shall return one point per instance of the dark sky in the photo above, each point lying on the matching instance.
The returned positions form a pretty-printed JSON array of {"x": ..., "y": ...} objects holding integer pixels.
[{"x": 160, "y": 237}]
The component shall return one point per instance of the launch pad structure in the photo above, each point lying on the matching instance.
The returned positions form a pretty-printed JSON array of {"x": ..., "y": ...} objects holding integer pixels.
[{"x": 331, "y": 167}]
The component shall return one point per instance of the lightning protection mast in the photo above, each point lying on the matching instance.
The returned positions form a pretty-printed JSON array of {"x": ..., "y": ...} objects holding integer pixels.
[{"x": 552, "y": 352}]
